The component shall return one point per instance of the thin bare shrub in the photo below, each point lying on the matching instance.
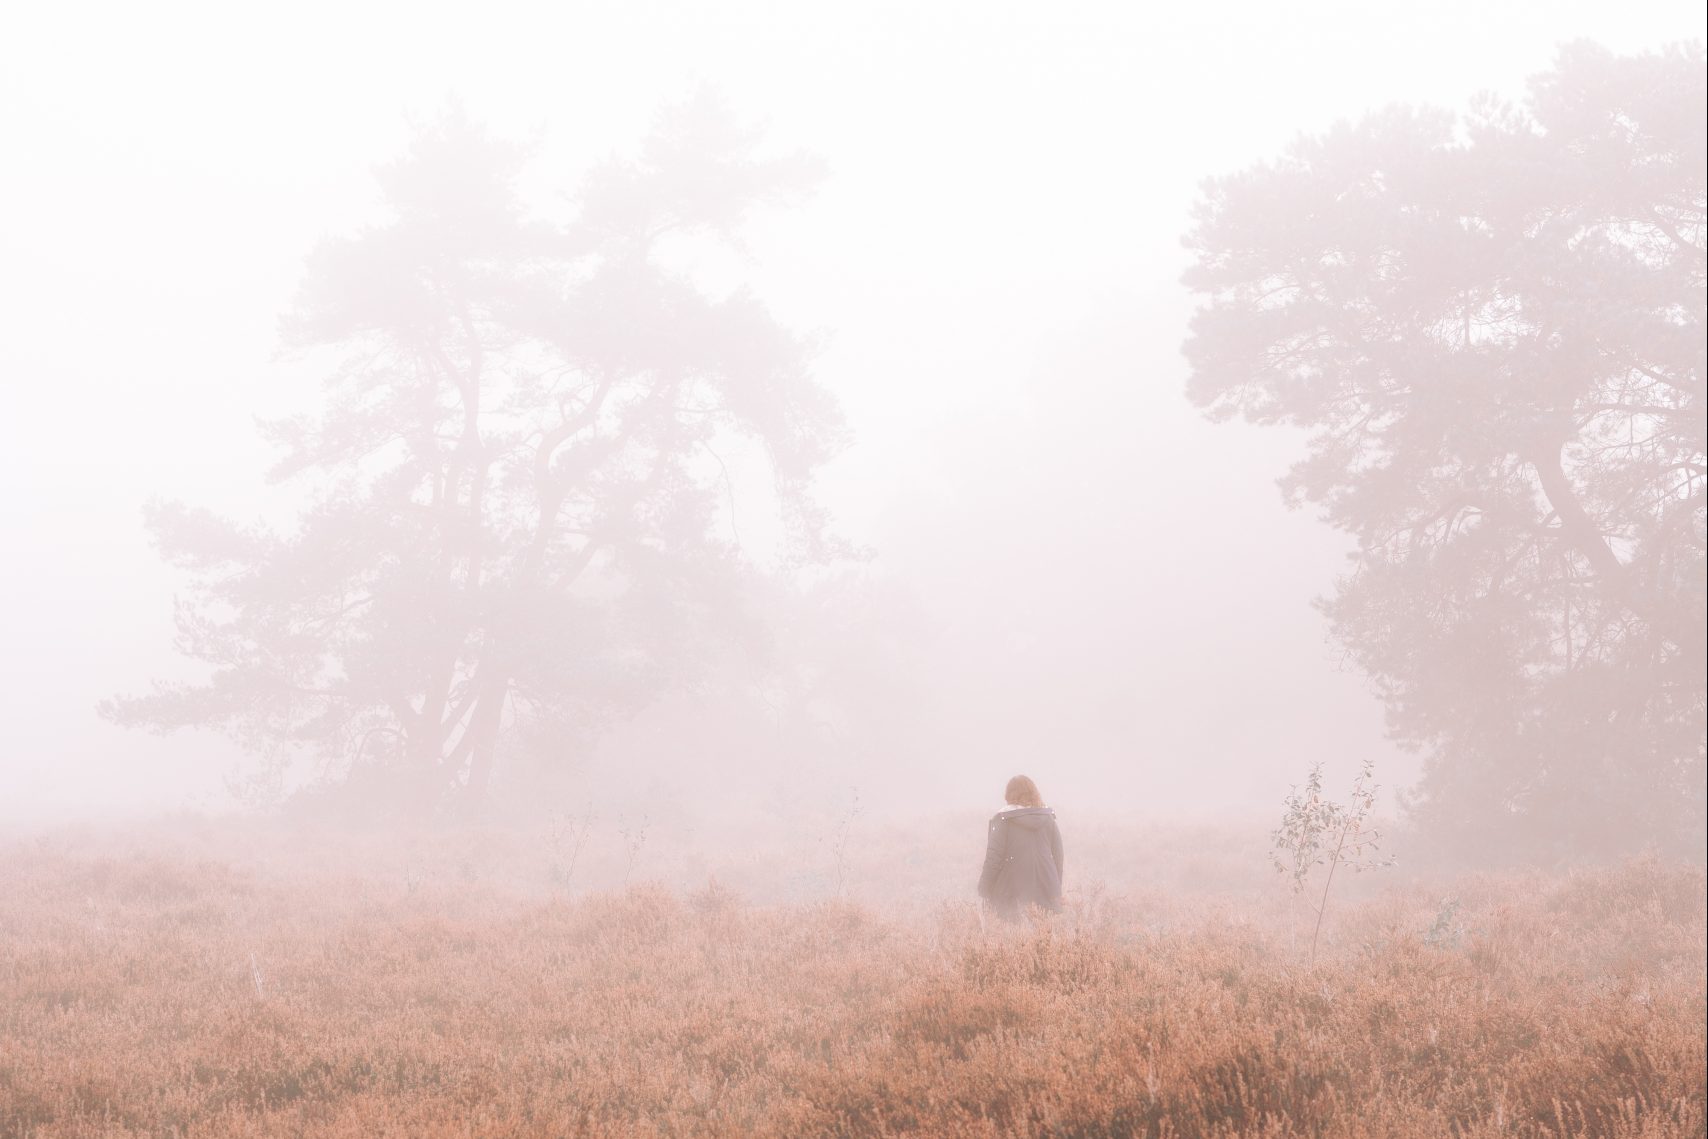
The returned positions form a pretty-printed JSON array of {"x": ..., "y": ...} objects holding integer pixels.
[{"x": 1317, "y": 832}]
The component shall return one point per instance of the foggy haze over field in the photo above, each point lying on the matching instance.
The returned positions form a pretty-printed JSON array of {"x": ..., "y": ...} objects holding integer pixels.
[
  {"x": 771, "y": 570},
  {"x": 1071, "y": 571}
]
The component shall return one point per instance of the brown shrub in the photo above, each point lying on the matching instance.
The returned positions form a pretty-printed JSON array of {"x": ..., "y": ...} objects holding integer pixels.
[{"x": 174, "y": 996}]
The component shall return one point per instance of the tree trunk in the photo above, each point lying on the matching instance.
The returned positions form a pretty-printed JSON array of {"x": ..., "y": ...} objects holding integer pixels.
[
  {"x": 1582, "y": 531},
  {"x": 482, "y": 733}
]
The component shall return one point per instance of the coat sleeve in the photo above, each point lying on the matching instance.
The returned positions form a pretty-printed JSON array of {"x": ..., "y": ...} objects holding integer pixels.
[
  {"x": 995, "y": 850},
  {"x": 1056, "y": 848}
]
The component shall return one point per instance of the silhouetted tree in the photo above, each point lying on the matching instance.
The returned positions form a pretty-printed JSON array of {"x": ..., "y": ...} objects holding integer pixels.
[
  {"x": 1492, "y": 327},
  {"x": 517, "y": 468}
]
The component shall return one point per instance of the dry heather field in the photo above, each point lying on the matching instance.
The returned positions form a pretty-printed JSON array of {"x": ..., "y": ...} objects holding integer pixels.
[{"x": 472, "y": 985}]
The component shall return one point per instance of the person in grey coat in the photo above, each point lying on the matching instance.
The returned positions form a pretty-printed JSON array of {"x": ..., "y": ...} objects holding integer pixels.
[{"x": 1023, "y": 855}]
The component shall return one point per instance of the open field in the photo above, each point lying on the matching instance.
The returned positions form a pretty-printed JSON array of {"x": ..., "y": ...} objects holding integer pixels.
[{"x": 176, "y": 989}]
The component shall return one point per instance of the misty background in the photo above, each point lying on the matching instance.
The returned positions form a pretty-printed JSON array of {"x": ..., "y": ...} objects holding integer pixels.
[{"x": 1087, "y": 581}]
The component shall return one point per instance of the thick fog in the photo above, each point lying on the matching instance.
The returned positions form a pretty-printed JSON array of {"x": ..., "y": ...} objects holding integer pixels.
[
  {"x": 782, "y": 570},
  {"x": 1052, "y": 562}
]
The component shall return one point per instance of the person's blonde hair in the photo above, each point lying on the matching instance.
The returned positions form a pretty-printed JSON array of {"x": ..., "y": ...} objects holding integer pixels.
[{"x": 1022, "y": 792}]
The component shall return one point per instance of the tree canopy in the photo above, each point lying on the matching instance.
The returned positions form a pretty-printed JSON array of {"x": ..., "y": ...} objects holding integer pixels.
[
  {"x": 517, "y": 471},
  {"x": 1491, "y": 327}
]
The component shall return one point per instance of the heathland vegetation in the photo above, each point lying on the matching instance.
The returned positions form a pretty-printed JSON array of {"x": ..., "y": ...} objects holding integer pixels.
[{"x": 155, "y": 985}]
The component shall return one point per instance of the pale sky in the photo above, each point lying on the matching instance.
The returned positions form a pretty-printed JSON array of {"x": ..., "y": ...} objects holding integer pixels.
[{"x": 994, "y": 254}]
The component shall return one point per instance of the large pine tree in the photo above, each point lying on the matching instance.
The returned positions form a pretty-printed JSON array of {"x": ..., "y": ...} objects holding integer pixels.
[
  {"x": 1492, "y": 327},
  {"x": 516, "y": 481}
]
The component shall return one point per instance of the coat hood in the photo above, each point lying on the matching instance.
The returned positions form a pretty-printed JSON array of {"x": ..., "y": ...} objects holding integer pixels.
[{"x": 1029, "y": 817}]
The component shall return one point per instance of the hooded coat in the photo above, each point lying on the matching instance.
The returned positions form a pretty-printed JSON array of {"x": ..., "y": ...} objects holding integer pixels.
[{"x": 1022, "y": 861}]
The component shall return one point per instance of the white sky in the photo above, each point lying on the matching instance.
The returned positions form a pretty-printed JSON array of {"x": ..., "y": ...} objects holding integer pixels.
[{"x": 1007, "y": 189}]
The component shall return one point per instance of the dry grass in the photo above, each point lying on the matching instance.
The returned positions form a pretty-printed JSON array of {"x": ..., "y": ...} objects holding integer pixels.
[{"x": 166, "y": 994}]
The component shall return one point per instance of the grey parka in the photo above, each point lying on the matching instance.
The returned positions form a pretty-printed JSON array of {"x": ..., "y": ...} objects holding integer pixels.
[{"x": 1022, "y": 862}]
